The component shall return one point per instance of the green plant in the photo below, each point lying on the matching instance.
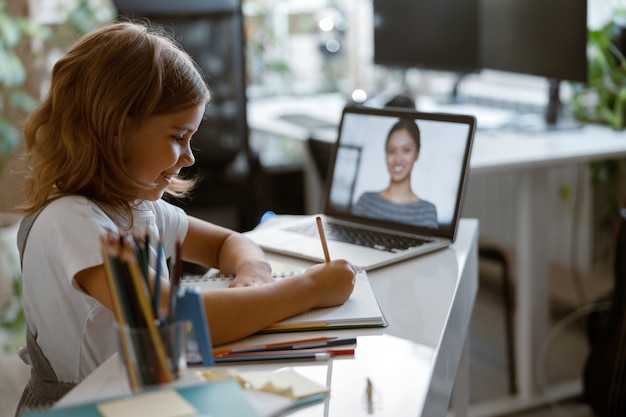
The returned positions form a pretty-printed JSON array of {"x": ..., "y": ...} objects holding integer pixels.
[
  {"x": 263, "y": 66},
  {"x": 603, "y": 99},
  {"x": 14, "y": 32},
  {"x": 12, "y": 318},
  {"x": 18, "y": 36}
]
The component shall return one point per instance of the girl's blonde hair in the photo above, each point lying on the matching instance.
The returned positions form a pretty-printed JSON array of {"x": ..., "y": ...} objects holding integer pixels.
[{"x": 75, "y": 138}]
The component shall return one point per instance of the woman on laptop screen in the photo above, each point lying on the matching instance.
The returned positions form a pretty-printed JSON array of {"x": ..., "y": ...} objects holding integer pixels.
[{"x": 398, "y": 201}]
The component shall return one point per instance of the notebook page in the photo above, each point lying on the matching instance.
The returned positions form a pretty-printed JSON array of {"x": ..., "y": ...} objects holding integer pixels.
[{"x": 360, "y": 310}]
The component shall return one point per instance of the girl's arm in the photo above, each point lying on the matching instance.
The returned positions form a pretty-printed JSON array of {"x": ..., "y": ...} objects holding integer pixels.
[
  {"x": 232, "y": 253},
  {"x": 234, "y": 313},
  {"x": 238, "y": 312}
]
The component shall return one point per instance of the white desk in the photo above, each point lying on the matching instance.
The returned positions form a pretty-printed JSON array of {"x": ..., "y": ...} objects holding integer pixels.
[
  {"x": 531, "y": 156},
  {"x": 412, "y": 363}
]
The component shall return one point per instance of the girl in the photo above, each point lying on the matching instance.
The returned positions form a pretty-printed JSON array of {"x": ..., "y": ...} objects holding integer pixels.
[{"x": 108, "y": 142}]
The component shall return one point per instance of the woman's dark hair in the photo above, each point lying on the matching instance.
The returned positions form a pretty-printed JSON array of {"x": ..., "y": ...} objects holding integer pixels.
[
  {"x": 401, "y": 100},
  {"x": 410, "y": 126}
]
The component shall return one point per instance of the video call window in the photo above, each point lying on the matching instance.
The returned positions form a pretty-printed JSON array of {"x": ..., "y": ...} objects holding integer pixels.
[{"x": 361, "y": 164}]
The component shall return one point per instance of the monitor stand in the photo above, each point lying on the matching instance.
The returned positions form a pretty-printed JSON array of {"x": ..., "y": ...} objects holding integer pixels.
[
  {"x": 554, "y": 110},
  {"x": 553, "y": 119},
  {"x": 453, "y": 97}
]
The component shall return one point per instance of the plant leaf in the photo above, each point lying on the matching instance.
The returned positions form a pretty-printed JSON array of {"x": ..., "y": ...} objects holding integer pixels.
[
  {"x": 22, "y": 100},
  {"x": 12, "y": 72},
  {"x": 9, "y": 137}
]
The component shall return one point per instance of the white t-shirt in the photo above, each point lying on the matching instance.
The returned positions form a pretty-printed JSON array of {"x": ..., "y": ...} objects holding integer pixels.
[{"x": 74, "y": 331}]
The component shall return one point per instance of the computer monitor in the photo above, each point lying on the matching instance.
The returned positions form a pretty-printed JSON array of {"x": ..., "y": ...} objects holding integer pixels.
[
  {"x": 546, "y": 38},
  {"x": 430, "y": 34}
]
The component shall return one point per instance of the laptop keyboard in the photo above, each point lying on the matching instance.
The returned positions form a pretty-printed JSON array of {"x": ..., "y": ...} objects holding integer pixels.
[{"x": 368, "y": 238}]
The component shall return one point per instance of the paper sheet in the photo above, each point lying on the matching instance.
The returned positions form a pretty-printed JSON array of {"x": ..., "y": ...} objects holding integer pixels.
[
  {"x": 286, "y": 382},
  {"x": 168, "y": 403}
]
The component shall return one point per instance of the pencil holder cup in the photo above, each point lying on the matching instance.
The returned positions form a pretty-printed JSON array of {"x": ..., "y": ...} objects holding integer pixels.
[{"x": 153, "y": 356}]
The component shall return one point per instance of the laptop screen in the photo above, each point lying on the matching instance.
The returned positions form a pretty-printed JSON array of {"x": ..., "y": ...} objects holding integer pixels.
[{"x": 400, "y": 169}]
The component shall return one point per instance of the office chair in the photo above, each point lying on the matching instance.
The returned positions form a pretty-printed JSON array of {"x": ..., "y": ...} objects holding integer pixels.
[
  {"x": 496, "y": 255},
  {"x": 320, "y": 151},
  {"x": 604, "y": 372},
  {"x": 212, "y": 33}
]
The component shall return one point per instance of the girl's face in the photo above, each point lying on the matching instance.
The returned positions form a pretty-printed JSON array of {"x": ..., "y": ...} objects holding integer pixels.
[
  {"x": 159, "y": 147},
  {"x": 401, "y": 154}
]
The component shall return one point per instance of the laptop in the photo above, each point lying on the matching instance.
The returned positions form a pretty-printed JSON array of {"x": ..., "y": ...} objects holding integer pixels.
[{"x": 365, "y": 221}]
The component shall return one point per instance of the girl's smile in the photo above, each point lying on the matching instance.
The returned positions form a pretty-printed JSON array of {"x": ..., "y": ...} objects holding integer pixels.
[{"x": 157, "y": 149}]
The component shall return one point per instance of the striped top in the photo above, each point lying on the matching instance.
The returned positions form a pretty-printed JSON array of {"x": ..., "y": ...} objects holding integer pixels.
[{"x": 419, "y": 213}]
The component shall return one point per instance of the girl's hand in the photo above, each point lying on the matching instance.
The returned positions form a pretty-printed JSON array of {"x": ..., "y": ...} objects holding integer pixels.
[{"x": 332, "y": 282}]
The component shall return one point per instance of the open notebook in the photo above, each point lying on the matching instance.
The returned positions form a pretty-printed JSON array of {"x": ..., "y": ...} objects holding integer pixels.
[
  {"x": 360, "y": 310},
  {"x": 362, "y": 225}
]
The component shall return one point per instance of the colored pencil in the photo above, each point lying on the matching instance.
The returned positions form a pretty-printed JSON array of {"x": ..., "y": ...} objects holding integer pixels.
[
  {"x": 224, "y": 351},
  {"x": 294, "y": 327},
  {"x": 142, "y": 297},
  {"x": 299, "y": 346},
  {"x": 289, "y": 356},
  {"x": 117, "y": 310},
  {"x": 331, "y": 351},
  {"x": 156, "y": 298},
  {"x": 175, "y": 277}
]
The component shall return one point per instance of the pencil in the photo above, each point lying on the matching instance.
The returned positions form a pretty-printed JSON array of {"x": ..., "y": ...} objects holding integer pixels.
[
  {"x": 117, "y": 309},
  {"x": 249, "y": 348},
  {"x": 331, "y": 351},
  {"x": 294, "y": 327},
  {"x": 297, "y": 346},
  {"x": 146, "y": 308},
  {"x": 320, "y": 228},
  {"x": 175, "y": 278},
  {"x": 369, "y": 391},
  {"x": 156, "y": 298},
  {"x": 290, "y": 356}
]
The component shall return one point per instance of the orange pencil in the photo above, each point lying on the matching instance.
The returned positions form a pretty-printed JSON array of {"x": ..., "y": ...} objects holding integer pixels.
[
  {"x": 292, "y": 327},
  {"x": 320, "y": 228}
]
